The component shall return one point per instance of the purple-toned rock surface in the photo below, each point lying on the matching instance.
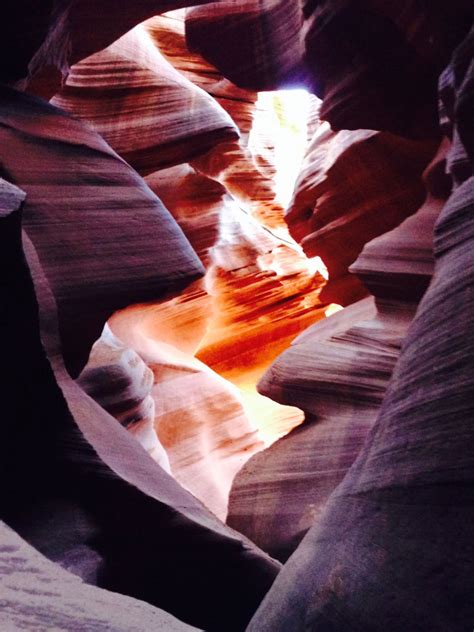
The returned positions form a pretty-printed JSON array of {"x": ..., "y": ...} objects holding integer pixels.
[
  {"x": 198, "y": 416},
  {"x": 94, "y": 222},
  {"x": 375, "y": 63},
  {"x": 195, "y": 201},
  {"x": 42, "y": 41},
  {"x": 145, "y": 109},
  {"x": 259, "y": 46},
  {"x": 337, "y": 372},
  {"x": 353, "y": 186},
  {"x": 393, "y": 548},
  {"x": 380, "y": 474},
  {"x": 244, "y": 166},
  {"x": 37, "y": 594},
  {"x": 117, "y": 378},
  {"x": 82, "y": 491},
  {"x": 168, "y": 33}
]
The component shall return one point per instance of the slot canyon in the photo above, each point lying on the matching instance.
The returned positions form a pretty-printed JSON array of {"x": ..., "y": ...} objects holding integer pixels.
[{"x": 237, "y": 315}]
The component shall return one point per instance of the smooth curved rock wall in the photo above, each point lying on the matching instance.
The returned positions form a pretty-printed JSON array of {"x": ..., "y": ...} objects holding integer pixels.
[
  {"x": 145, "y": 110},
  {"x": 374, "y": 63},
  {"x": 337, "y": 372},
  {"x": 198, "y": 418},
  {"x": 393, "y": 549},
  {"x": 83, "y": 205},
  {"x": 43, "y": 41},
  {"x": 81, "y": 490},
  {"x": 118, "y": 379},
  {"x": 273, "y": 28},
  {"x": 353, "y": 186}
]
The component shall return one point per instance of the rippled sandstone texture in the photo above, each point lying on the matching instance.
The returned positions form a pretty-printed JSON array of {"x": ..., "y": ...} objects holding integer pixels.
[
  {"x": 118, "y": 379},
  {"x": 77, "y": 486},
  {"x": 382, "y": 75},
  {"x": 198, "y": 416},
  {"x": 374, "y": 63},
  {"x": 383, "y": 72},
  {"x": 353, "y": 186},
  {"x": 122, "y": 91},
  {"x": 57, "y": 34},
  {"x": 204, "y": 429},
  {"x": 393, "y": 548},
  {"x": 256, "y": 51},
  {"x": 144, "y": 108},
  {"x": 337, "y": 372},
  {"x": 245, "y": 166},
  {"x": 83, "y": 202}
]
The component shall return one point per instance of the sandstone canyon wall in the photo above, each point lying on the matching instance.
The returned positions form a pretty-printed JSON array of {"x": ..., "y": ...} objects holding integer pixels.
[
  {"x": 152, "y": 275},
  {"x": 337, "y": 372},
  {"x": 382, "y": 553}
]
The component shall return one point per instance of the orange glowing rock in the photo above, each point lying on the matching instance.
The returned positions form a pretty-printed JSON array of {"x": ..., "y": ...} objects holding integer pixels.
[
  {"x": 80, "y": 488},
  {"x": 198, "y": 417},
  {"x": 263, "y": 292},
  {"x": 168, "y": 34},
  {"x": 194, "y": 200}
]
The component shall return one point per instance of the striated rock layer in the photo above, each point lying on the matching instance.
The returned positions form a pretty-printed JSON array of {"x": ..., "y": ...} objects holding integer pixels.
[
  {"x": 206, "y": 433},
  {"x": 393, "y": 548},
  {"x": 83, "y": 204},
  {"x": 43, "y": 41},
  {"x": 196, "y": 203},
  {"x": 77, "y": 486},
  {"x": 245, "y": 167},
  {"x": 376, "y": 64},
  {"x": 145, "y": 109},
  {"x": 248, "y": 262},
  {"x": 390, "y": 503},
  {"x": 337, "y": 373},
  {"x": 260, "y": 45},
  {"x": 168, "y": 33},
  {"x": 202, "y": 208},
  {"x": 198, "y": 418},
  {"x": 353, "y": 186},
  {"x": 118, "y": 379}
]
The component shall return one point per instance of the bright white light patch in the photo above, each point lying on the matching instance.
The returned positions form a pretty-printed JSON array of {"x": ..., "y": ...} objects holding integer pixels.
[
  {"x": 332, "y": 308},
  {"x": 281, "y": 126},
  {"x": 316, "y": 264}
]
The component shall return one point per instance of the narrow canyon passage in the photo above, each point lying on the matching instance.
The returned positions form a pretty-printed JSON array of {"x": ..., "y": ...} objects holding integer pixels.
[
  {"x": 236, "y": 316},
  {"x": 209, "y": 346}
]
